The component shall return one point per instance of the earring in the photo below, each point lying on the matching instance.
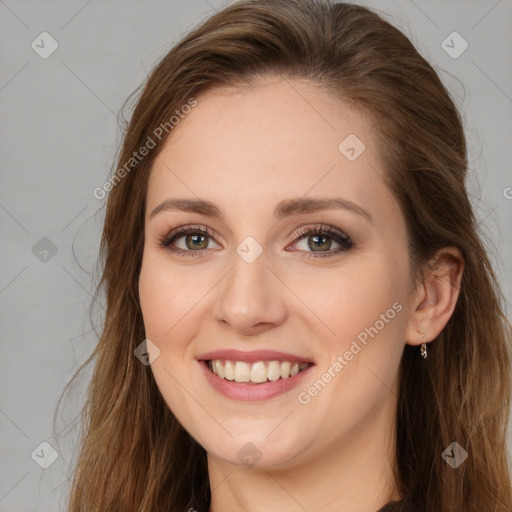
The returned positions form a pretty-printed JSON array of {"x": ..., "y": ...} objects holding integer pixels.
[{"x": 423, "y": 345}]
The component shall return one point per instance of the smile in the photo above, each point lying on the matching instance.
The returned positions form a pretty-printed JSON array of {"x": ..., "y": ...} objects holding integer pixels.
[
  {"x": 257, "y": 372},
  {"x": 262, "y": 387}
]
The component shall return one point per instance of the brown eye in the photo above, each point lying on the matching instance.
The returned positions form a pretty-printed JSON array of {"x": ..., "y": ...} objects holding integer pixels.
[
  {"x": 318, "y": 241},
  {"x": 189, "y": 241},
  {"x": 196, "y": 241}
]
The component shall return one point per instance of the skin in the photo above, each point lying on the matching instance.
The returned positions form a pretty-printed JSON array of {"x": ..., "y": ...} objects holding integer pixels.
[{"x": 246, "y": 150}]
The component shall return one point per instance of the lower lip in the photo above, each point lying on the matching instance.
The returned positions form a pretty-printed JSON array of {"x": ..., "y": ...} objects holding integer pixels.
[{"x": 251, "y": 392}]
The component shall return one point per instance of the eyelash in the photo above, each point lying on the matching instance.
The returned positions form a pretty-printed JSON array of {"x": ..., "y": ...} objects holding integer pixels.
[{"x": 339, "y": 237}]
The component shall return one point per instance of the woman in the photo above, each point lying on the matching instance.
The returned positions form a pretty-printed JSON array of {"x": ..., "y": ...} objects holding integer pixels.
[{"x": 300, "y": 309}]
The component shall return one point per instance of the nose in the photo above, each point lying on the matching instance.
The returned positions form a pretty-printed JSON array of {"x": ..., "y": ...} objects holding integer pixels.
[{"x": 251, "y": 298}]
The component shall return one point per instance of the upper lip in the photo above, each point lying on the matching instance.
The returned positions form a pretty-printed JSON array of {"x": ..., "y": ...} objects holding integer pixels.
[{"x": 252, "y": 356}]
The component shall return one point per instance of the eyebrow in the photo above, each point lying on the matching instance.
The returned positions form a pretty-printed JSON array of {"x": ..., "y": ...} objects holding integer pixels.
[{"x": 285, "y": 208}]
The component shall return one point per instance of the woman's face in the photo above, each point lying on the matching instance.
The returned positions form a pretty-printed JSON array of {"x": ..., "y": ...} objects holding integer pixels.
[{"x": 248, "y": 173}]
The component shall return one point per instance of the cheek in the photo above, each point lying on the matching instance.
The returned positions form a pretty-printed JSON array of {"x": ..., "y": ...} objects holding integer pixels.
[
  {"x": 155, "y": 300},
  {"x": 353, "y": 297},
  {"x": 165, "y": 302},
  {"x": 166, "y": 296},
  {"x": 364, "y": 307}
]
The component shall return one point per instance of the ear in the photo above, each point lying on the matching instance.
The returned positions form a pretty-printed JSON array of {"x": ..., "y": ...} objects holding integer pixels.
[{"x": 435, "y": 296}]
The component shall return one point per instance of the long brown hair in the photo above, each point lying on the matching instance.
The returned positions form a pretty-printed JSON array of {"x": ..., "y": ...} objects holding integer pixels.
[{"x": 134, "y": 455}]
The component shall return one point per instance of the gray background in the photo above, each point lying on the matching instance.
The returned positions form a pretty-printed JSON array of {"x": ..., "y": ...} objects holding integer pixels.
[{"x": 59, "y": 139}]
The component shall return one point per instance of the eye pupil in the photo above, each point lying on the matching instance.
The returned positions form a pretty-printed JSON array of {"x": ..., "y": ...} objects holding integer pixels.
[
  {"x": 197, "y": 240},
  {"x": 319, "y": 241}
]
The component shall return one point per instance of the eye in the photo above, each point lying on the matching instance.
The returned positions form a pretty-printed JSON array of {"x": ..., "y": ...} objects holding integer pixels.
[
  {"x": 189, "y": 241},
  {"x": 318, "y": 240}
]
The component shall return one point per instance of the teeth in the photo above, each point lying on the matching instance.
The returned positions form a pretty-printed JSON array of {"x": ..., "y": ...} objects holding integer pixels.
[
  {"x": 273, "y": 370},
  {"x": 220, "y": 370},
  {"x": 285, "y": 370},
  {"x": 256, "y": 373},
  {"x": 242, "y": 372},
  {"x": 229, "y": 370}
]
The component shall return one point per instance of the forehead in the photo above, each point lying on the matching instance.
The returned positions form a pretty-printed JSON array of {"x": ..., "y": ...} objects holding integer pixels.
[{"x": 279, "y": 138}]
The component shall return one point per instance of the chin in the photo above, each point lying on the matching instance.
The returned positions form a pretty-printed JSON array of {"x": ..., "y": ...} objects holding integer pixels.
[{"x": 256, "y": 452}]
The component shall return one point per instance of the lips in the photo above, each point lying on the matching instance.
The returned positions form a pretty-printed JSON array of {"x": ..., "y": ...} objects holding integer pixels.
[
  {"x": 253, "y": 375},
  {"x": 252, "y": 356}
]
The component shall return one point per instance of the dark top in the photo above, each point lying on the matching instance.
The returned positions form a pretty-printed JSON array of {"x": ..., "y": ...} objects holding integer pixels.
[{"x": 392, "y": 506}]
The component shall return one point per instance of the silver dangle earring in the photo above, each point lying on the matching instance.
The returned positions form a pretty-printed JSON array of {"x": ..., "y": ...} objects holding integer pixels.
[{"x": 423, "y": 345}]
